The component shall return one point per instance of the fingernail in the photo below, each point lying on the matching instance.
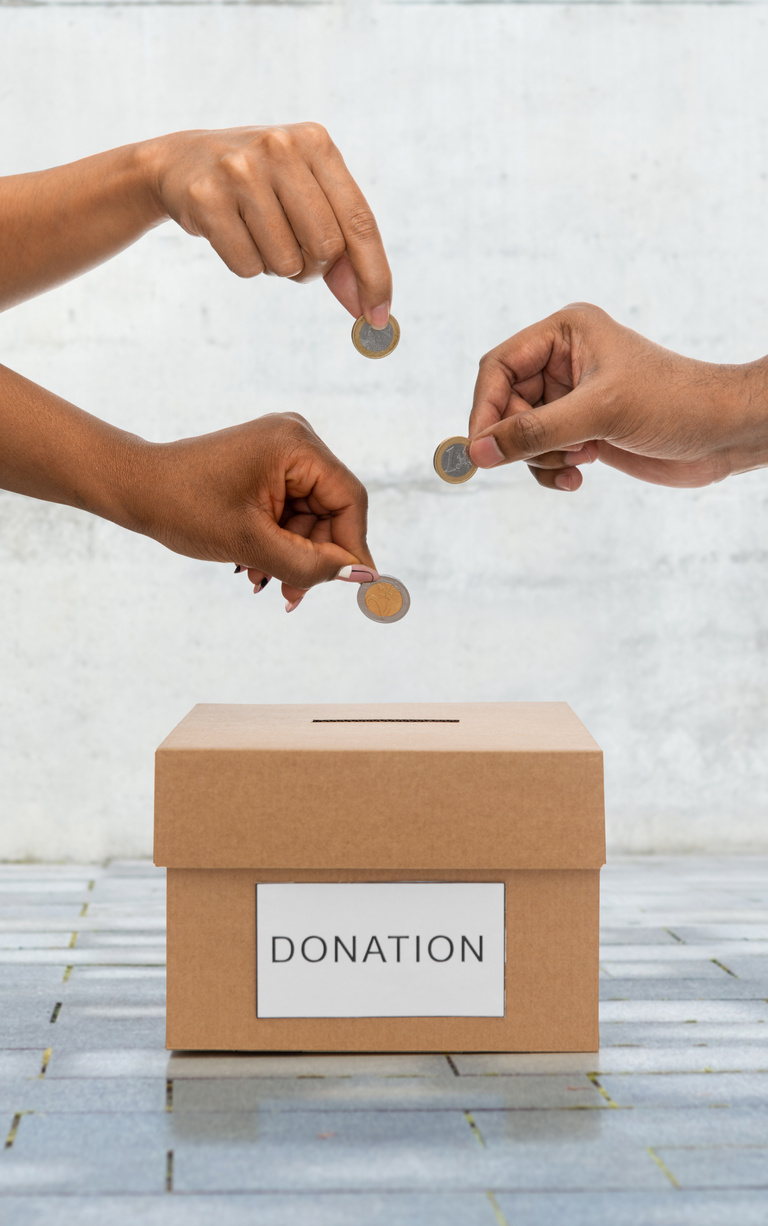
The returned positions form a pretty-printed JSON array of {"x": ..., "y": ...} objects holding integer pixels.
[
  {"x": 486, "y": 452},
  {"x": 259, "y": 587},
  {"x": 290, "y": 605},
  {"x": 379, "y": 316},
  {"x": 564, "y": 481},
  {"x": 358, "y": 574},
  {"x": 238, "y": 569}
]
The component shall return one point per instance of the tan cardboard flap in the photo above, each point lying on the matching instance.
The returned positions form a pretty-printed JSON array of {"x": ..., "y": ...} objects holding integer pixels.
[{"x": 411, "y": 786}]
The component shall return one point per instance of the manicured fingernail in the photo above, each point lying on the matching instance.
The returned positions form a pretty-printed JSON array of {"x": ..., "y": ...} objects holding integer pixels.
[
  {"x": 565, "y": 481},
  {"x": 238, "y": 569},
  {"x": 358, "y": 574},
  {"x": 379, "y": 316},
  {"x": 486, "y": 452},
  {"x": 260, "y": 586},
  {"x": 577, "y": 457},
  {"x": 290, "y": 605}
]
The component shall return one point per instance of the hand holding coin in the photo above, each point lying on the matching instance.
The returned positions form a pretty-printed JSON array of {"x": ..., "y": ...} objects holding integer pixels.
[
  {"x": 375, "y": 342},
  {"x": 275, "y": 199},
  {"x": 382, "y": 598}
]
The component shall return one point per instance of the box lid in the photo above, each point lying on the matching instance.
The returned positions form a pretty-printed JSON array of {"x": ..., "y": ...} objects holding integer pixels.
[{"x": 385, "y": 786}]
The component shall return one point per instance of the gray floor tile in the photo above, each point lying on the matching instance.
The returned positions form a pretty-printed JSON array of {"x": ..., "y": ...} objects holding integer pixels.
[
  {"x": 78, "y": 957},
  {"x": 723, "y": 988},
  {"x": 142, "y": 1062},
  {"x": 56, "y": 914},
  {"x": 738, "y": 931},
  {"x": 28, "y": 980},
  {"x": 619, "y": 967},
  {"x": 687, "y": 1089},
  {"x": 634, "y": 935},
  {"x": 35, "y": 940},
  {"x": 21, "y": 1063},
  {"x": 668, "y": 1208},
  {"x": 718, "y": 1166},
  {"x": 735, "y": 1059},
  {"x": 82, "y": 1094},
  {"x": 684, "y": 955},
  {"x": 316, "y": 1209},
  {"x": 327, "y": 1151},
  {"x": 685, "y": 1034},
  {"x": 740, "y": 1012},
  {"x": 73, "y": 1032},
  {"x": 93, "y": 1153},
  {"x": 108, "y": 913},
  {"x": 118, "y": 975},
  {"x": 746, "y": 966},
  {"x": 129, "y": 939},
  {"x": 654, "y": 1127}
]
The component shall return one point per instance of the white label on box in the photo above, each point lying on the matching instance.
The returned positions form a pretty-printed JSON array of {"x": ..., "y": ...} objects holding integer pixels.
[{"x": 380, "y": 949}]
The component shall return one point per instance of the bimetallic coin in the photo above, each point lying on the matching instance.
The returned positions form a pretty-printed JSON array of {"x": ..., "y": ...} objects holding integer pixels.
[
  {"x": 452, "y": 461},
  {"x": 375, "y": 342},
  {"x": 384, "y": 600}
]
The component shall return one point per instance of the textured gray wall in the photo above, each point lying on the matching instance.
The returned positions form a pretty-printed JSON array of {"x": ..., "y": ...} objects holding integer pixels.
[{"x": 518, "y": 156}]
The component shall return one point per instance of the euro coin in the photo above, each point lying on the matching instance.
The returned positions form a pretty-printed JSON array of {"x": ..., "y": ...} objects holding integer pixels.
[
  {"x": 452, "y": 461},
  {"x": 384, "y": 600},
  {"x": 375, "y": 342}
]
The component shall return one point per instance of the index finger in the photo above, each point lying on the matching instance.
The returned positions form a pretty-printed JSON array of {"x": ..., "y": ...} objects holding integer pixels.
[
  {"x": 364, "y": 245},
  {"x": 511, "y": 376}
]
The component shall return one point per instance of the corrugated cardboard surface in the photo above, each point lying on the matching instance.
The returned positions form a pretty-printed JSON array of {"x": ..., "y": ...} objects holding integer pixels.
[
  {"x": 392, "y": 786},
  {"x": 551, "y": 969}
]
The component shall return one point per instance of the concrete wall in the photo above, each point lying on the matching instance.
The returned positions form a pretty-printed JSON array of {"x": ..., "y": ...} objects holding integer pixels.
[{"x": 518, "y": 156}]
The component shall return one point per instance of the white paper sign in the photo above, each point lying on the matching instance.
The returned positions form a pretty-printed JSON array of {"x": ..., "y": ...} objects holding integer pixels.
[{"x": 375, "y": 949}]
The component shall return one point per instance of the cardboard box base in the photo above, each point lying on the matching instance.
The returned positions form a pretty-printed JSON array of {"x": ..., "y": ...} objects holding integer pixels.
[{"x": 552, "y": 925}]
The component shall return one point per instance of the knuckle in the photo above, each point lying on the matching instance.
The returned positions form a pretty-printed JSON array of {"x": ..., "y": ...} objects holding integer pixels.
[
  {"x": 361, "y": 225},
  {"x": 296, "y": 423},
  {"x": 315, "y": 133},
  {"x": 327, "y": 250},
  {"x": 277, "y": 141},
  {"x": 203, "y": 195},
  {"x": 583, "y": 312},
  {"x": 236, "y": 164},
  {"x": 529, "y": 433},
  {"x": 287, "y": 265}
]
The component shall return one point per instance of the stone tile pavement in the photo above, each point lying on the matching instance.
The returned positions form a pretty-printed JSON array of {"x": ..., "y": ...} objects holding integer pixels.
[{"x": 668, "y": 1124}]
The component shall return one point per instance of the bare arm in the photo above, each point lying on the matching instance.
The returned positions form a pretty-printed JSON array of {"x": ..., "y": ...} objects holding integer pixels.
[
  {"x": 579, "y": 387},
  {"x": 267, "y": 495},
  {"x": 57, "y": 223},
  {"x": 278, "y": 200}
]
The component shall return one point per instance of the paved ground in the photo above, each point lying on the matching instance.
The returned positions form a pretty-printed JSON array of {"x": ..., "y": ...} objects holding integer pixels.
[{"x": 667, "y": 1125}]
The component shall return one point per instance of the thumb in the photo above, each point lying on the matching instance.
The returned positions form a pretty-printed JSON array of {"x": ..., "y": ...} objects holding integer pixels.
[{"x": 562, "y": 424}]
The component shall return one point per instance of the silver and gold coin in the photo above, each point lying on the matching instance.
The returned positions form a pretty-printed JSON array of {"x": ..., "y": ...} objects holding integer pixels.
[
  {"x": 452, "y": 462},
  {"x": 375, "y": 342},
  {"x": 384, "y": 600}
]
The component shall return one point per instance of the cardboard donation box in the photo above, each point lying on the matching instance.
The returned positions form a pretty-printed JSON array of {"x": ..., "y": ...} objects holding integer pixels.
[{"x": 413, "y": 877}]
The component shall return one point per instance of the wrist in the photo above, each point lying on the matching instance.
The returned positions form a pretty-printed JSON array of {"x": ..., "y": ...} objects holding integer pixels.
[
  {"x": 122, "y": 486},
  {"x": 151, "y": 159},
  {"x": 742, "y": 403}
]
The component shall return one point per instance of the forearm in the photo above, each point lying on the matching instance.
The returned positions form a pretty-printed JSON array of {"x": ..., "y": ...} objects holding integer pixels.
[
  {"x": 57, "y": 223},
  {"x": 51, "y": 450}
]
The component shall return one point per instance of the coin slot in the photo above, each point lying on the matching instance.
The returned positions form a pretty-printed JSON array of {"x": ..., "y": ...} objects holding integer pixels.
[{"x": 386, "y": 721}]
